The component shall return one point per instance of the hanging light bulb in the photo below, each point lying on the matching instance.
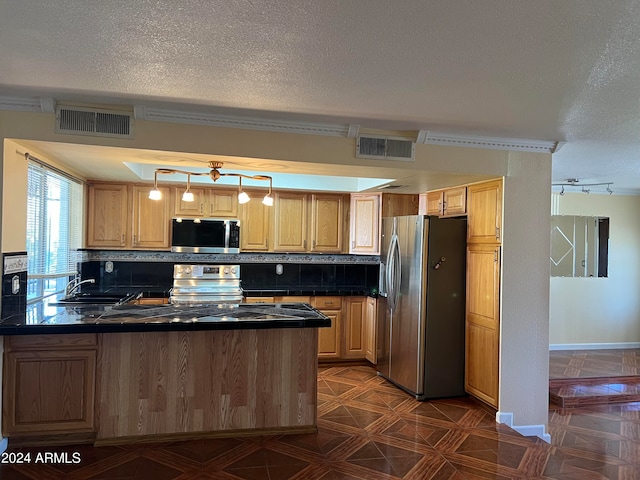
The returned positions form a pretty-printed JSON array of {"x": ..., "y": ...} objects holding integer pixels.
[
  {"x": 155, "y": 194},
  {"x": 268, "y": 199},
  {"x": 242, "y": 195},
  {"x": 187, "y": 196}
]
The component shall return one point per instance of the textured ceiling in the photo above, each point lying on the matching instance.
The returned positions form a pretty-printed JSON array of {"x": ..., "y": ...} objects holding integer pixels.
[{"x": 534, "y": 69}]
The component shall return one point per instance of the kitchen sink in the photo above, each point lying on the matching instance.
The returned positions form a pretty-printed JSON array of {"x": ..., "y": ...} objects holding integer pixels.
[{"x": 90, "y": 299}]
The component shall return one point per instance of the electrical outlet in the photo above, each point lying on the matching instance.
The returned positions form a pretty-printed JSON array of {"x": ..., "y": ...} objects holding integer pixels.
[
  {"x": 108, "y": 267},
  {"x": 279, "y": 269}
]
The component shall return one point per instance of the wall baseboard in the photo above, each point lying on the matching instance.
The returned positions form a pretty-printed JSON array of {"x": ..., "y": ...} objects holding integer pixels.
[
  {"x": 526, "y": 430},
  {"x": 593, "y": 346},
  {"x": 4, "y": 442}
]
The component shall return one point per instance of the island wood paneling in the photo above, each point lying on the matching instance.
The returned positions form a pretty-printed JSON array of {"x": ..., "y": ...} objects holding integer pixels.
[
  {"x": 48, "y": 391},
  {"x": 162, "y": 383}
]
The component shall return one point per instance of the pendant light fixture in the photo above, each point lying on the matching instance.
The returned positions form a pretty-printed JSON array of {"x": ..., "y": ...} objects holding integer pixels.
[
  {"x": 214, "y": 174},
  {"x": 574, "y": 182}
]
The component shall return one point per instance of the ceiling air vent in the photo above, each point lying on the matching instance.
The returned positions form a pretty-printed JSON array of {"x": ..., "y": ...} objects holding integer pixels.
[
  {"x": 391, "y": 148},
  {"x": 91, "y": 121}
]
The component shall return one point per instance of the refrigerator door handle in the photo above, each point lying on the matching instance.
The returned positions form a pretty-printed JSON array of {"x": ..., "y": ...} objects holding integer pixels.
[
  {"x": 391, "y": 273},
  {"x": 397, "y": 272}
]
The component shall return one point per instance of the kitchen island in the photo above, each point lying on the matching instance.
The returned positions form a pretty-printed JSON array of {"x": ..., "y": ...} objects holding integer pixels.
[{"x": 118, "y": 374}]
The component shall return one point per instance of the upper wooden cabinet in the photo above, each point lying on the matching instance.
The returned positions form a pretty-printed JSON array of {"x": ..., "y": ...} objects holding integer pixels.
[
  {"x": 446, "y": 203},
  {"x": 366, "y": 212},
  {"x": 107, "y": 208},
  {"x": 255, "y": 226},
  {"x": 208, "y": 202},
  {"x": 484, "y": 212},
  {"x": 364, "y": 223},
  {"x": 327, "y": 214},
  {"x": 151, "y": 219},
  {"x": 290, "y": 233}
]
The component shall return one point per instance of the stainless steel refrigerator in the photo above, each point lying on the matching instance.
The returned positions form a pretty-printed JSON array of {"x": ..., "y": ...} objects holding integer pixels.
[{"x": 421, "y": 306}]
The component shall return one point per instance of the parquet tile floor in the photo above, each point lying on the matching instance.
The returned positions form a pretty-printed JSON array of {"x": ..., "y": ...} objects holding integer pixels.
[
  {"x": 368, "y": 429},
  {"x": 590, "y": 377}
]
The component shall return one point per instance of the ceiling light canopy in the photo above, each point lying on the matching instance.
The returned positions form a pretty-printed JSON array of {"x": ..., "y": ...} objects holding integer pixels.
[{"x": 214, "y": 174}]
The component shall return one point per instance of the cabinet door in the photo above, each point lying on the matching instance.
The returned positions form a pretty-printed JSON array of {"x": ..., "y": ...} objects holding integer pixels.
[
  {"x": 454, "y": 201},
  {"x": 290, "y": 222},
  {"x": 49, "y": 392},
  {"x": 255, "y": 222},
  {"x": 329, "y": 337},
  {"x": 223, "y": 203},
  {"x": 190, "y": 209},
  {"x": 434, "y": 203},
  {"x": 354, "y": 327},
  {"x": 107, "y": 216},
  {"x": 151, "y": 219},
  {"x": 484, "y": 212},
  {"x": 364, "y": 224},
  {"x": 483, "y": 322},
  {"x": 326, "y": 223},
  {"x": 370, "y": 330}
]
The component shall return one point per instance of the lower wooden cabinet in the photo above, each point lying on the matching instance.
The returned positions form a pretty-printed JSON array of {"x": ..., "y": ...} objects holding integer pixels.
[
  {"x": 354, "y": 327},
  {"x": 49, "y": 384},
  {"x": 329, "y": 338},
  {"x": 482, "y": 329},
  {"x": 371, "y": 330}
]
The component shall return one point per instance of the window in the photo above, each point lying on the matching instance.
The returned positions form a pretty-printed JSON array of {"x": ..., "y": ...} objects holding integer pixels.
[{"x": 54, "y": 226}]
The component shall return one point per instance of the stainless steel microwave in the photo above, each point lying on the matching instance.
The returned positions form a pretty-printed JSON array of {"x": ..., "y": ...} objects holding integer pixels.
[{"x": 205, "y": 235}]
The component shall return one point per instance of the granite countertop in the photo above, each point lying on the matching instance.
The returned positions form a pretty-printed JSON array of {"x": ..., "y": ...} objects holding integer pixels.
[{"x": 45, "y": 317}]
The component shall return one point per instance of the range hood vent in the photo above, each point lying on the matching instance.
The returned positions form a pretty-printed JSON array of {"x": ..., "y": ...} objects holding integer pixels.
[
  {"x": 95, "y": 122},
  {"x": 388, "y": 148}
]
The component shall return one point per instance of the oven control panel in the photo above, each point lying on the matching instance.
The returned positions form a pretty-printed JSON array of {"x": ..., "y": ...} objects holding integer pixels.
[{"x": 226, "y": 272}]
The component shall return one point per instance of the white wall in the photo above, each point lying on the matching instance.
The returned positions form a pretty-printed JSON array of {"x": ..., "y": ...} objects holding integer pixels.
[
  {"x": 596, "y": 312},
  {"x": 524, "y": 322}
]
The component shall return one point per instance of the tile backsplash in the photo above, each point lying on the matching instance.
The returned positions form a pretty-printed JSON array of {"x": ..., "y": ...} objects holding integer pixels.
[{"x": 261, "y": 276}]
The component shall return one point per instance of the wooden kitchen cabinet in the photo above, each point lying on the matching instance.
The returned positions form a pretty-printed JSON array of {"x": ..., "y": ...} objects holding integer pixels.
[
  {"x": 107, "y": 209},
  {"x": 290, "y": 233},
  {"x": 329, "y": 338},
  {"x": 482, "y": 325},
  {"x": 327, "y": 214},
  {"x": 151, "y": 219},
  {"x": 446, "y": 203},
  {"x": 484, "y": 212},
  {"x": 354, "y": 327},
  {"x": 366, "y": 212},
  {"x": 208, "y": 202},
  {"x": 49, "y": 385},
  {"x": 364, "y": 223},
  {"x": 371, "y": 330},
  {"x": 255, "y": 225}
]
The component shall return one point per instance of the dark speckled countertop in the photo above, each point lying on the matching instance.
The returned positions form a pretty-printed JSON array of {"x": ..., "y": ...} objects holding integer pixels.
[{"x": 45, "y": 317}]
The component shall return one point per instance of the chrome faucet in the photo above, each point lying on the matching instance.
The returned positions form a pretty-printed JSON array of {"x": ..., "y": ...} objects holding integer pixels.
[{"x": 74, "y": 284}]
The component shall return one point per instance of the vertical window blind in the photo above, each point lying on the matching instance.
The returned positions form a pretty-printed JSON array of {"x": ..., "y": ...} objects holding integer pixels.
[{"x": 54, "y": 229}]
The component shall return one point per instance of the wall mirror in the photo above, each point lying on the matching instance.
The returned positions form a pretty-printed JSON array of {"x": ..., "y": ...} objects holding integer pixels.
[{"x": 579, "y": 246}]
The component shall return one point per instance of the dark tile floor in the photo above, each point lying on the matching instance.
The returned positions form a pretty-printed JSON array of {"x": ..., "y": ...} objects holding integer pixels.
[{"x": 368, "y": 429}]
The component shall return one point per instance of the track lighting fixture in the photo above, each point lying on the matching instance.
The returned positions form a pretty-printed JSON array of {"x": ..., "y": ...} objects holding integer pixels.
[
  {"x": 214, "y": 174},
  {"x": 574, "y": 182}
]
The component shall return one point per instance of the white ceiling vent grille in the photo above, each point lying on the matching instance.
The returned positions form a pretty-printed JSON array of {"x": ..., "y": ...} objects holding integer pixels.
[
  {"x": 390, "y": 148},
  {"x": 95, "y": 122}
]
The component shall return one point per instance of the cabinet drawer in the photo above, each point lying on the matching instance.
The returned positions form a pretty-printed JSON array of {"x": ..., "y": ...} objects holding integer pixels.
[
  {"x": 327, "y": 303},
  {"x": 292, "y": 299},
  {"x": 51, "y": 341}
]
